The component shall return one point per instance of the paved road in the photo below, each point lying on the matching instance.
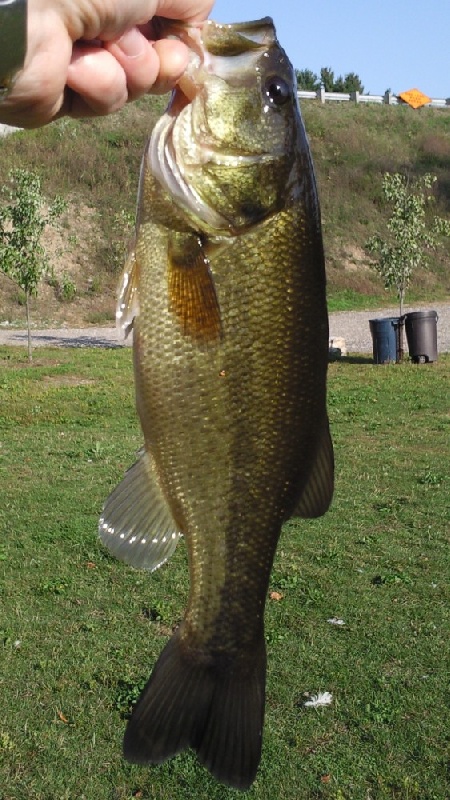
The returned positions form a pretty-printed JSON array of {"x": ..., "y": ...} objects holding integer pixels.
[{"x": 353, "y": 326}]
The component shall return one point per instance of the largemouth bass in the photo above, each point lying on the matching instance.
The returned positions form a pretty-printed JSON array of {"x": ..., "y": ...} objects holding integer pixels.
[{"x": 225, "y": 291}]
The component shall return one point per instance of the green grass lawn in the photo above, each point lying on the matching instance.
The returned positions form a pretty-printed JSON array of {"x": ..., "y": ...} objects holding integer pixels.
[{"x": 80, "y": 632}]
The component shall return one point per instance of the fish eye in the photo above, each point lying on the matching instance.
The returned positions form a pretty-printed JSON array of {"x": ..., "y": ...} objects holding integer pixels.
[{"x": 277, "y": 91}]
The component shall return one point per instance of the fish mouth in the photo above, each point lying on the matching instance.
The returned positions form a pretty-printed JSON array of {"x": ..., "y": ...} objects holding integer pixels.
[
  {"x": 216, "y": 38},
  {"x": 211, "y": 45},
  {"x": 226, "y": 51},
  {"x": 168, "y": 169}
]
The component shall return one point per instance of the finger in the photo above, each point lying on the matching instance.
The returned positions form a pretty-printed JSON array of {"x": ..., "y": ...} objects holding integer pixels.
[
  {"x": 97, "y": 81},
  {"x": 142, "y": 63},
  {"x": 108, "y": 19},
  {"x": 194, "y": 11},
  {"x": 173, "y": 58}
]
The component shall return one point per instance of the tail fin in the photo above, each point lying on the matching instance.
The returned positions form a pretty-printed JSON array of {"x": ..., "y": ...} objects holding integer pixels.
[{"x": 219, "y": 712}]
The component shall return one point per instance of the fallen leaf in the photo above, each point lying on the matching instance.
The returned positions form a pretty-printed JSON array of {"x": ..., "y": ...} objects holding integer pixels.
[
  {"x": 91, "y": 565},
  {"x": 276, "y": 596},
  {"x": 325, "y": 779},
  {"x": 62, "y": 717}
]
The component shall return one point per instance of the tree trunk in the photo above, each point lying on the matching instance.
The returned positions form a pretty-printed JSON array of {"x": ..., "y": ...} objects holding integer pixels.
[
  {"x": 27, "y": 305},
  {"x": 401, "y": 297}
]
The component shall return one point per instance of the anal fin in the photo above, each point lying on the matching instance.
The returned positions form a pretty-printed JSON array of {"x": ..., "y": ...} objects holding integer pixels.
[{"x": 136, "y": 524}]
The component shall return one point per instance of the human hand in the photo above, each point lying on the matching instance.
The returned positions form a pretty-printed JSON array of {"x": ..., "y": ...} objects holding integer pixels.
[{"x": 88, "y": 59}]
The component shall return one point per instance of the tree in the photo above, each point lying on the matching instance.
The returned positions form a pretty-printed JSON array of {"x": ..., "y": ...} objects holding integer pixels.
[
  {"x": 352, "y": 83},
  {"x": 410, "y": 233},
  {"x": 339, "y": 85},
  {"x": 307, "y": 80},
  {"x": 23, "y": 220},
  {"x": 310, "y": 82},
  {"x": 327, "y": 78}
]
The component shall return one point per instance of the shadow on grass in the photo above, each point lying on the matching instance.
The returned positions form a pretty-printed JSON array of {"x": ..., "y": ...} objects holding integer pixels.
[
  {"x": 70, "y": 341},
  {"x": 353, "y": 360}
]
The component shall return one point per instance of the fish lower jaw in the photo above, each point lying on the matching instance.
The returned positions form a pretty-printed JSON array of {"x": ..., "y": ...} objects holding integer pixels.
[{"x": 163, "y": 161}]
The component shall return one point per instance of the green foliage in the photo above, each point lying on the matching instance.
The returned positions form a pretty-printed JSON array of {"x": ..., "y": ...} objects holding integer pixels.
[
  {"x": 409, "y": 233},
  {"x": 115, "y": 250},
  {"x": 22, "y": 223},
  {"x": 64, "y": 286},
  {"x": 327, "y": 78},
  {"x": 307, "y": 80},
  {"x": 23, "y": 219},
  {"x": 127, "y": 694},
  {"x": 67, "y": 288},
  {"x": 349, "y": 83}
]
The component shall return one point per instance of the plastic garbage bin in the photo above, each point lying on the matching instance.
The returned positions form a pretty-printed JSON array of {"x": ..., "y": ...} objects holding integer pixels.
[
  {"x": 421, "y": 335},
  {"x": 384, "y": 339}
]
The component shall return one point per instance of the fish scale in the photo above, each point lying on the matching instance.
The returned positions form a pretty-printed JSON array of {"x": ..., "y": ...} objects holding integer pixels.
[{"x": 225, "y": 289}]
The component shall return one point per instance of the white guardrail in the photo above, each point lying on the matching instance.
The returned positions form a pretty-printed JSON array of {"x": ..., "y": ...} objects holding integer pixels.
[{"x": 388, "y": 98}]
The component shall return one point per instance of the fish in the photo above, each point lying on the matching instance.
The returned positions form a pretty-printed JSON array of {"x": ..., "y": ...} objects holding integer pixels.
[{"x": 224, "y": 290}]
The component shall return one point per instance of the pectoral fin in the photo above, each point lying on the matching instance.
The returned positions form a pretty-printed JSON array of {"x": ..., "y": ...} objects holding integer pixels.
[
  {"x": 128, "y": 295},
  {"x": 318, "y": 492},
  {"x": 136, "y": 524},
  {"x": 192, "y": 293}
]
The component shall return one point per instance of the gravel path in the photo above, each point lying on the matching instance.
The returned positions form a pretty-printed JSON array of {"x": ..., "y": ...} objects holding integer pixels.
[{"x": 353, "y": 326}]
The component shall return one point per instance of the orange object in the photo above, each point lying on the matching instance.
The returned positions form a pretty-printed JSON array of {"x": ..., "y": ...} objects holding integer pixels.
[
  {"x": 415, "y": 98},
  {"x": 276, "y": 596}
]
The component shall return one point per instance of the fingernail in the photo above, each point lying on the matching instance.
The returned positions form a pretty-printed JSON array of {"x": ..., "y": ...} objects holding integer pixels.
[{"x": 132, "y": 43}]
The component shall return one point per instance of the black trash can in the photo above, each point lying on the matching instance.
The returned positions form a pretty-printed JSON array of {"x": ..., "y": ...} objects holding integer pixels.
[
  {"x": 385, "y": 339},
  {"x": 421, "y": 335}
]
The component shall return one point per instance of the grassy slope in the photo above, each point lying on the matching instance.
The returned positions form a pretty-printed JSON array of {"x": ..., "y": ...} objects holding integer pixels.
[
  {"x": 96, "y": 163},
  {"x": 79, "y": 632},
  {"x": 353, "y": 146}
]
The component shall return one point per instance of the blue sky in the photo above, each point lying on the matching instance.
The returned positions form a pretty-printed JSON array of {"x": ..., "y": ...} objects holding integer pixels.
[{"x": 390, "y": 44}]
